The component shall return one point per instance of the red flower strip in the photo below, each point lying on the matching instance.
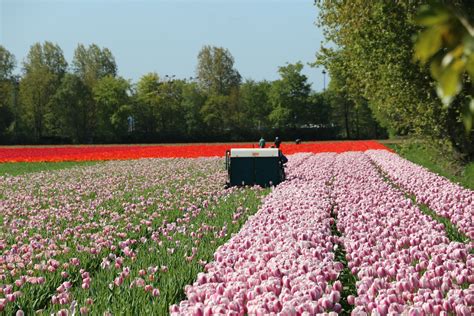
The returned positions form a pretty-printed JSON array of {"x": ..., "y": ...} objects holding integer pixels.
[{"x": 123, "y": 152}]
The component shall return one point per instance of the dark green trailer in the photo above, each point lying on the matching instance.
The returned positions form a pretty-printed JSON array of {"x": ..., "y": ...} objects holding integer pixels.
[{"x": 250, "y": 166}]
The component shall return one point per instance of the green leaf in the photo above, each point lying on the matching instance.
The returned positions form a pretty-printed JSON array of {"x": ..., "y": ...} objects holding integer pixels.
[
  {"x": 450, "y": 81},
  {"x": 432, "y": 14},
  {"x": 470, "y": 66},
  {"x": 467, "y": 114},
  {"x": 427, "y": 44},
  {"x": 436, "y": 68},
  {"x": 468, "y": 43}
]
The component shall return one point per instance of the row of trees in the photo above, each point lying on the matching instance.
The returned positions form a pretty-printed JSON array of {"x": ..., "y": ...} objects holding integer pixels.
[
  {"x": 371, "y": 61},
  {"x": 87, "y": 102}
]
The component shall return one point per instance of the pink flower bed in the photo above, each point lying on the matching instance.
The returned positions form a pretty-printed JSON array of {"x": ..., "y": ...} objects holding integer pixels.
[
  {"x": 403, "y": 260},
  {"x": 54, "y": 223},
  {"x": 447, "y": 199},
  {"x": 282, "y": 260}
]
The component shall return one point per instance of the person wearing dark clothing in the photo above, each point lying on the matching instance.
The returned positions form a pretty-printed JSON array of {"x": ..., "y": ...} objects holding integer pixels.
[
  {"x": 261, "y": 143},
  {"x": 277, "y": 142},
  {"x": 283, "y": 159}
]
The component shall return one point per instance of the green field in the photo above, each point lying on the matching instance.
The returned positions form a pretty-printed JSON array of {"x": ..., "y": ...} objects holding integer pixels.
[{"x": 18, "y": 168}]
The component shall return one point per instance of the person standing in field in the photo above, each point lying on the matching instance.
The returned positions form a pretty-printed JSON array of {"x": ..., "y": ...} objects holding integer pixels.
[
  {"x": 277, "y": 142},
  {"x": 261, "y": 143}
]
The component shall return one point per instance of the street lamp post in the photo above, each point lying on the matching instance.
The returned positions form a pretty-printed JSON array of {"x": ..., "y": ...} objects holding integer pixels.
[{"x": 324, "y": 79}]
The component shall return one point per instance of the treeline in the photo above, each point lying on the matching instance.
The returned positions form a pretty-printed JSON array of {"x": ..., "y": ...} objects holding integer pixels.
[
  {"x": 86, "y": 101},
  {"x": 371, "y": 62}
]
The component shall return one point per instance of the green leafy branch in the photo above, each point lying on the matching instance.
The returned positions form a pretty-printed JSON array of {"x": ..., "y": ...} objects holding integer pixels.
[{"x": 447, "y": 42}]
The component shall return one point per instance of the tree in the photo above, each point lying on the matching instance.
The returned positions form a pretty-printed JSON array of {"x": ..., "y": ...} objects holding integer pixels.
[
  {"x": 7, "y": 64},
  {"x": 318, "y": 110},
  {"x": 289, "y": 96},
  {"x": 256, "y": 105},
  {"x": 93, "y": 63},
  {"x": 146, "y": 111},
  {"x": 372, "y": 47},
  {"x": 71, "y": 115},
  {"x": 111, "y": 95},
  {"x": 7, "y": 89},
  {"x": 44, "y": 68},
  {"x": 215, "y": 70},
  {"x": 192, "y": 102},
  {"x": 448, "y": 42},
  {"x": 169, "y": 104},
  {"x": 160, "y": 109},
  {"x": 214, "y": 113}
]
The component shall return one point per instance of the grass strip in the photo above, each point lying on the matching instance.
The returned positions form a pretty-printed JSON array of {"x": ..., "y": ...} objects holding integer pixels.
[
  {"x": 346, "y": 277},
  {"x": 19, "y": 168}
]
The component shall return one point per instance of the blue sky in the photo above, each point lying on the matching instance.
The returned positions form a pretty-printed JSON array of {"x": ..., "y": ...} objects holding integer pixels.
[{"x": 166, "y": 36}]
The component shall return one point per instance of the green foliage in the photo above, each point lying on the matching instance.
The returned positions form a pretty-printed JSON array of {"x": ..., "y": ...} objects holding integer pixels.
[
  {"x": 93, "y": 63},
  {"x": 214, "y": 112},
  {"x": 351, "y": 114},
  {"x": 113, "y": 107},
  {"x": 71, "y": 113},
  {"x": 7, "y": 89},
  {"x": 215, "y": 70},
  {"x": 372, "y": 54},
  {"x": 146, "y": 109},
  {"x": 160, "y": 105},
  {"x": 7, "y": 63},
  {"x": 255, "y": 103},
  {"x": 448, "y": 44},
  {"x": 44, "y": 68},
  {"x": 192, "y": 102},
  {"x": 169, "y": 99},
  {"x": 373, "y": 59},
  {"x": 91, "y": 104},
  {"x": 289, "y": 96},
  {"x": 346, "y": 277}
]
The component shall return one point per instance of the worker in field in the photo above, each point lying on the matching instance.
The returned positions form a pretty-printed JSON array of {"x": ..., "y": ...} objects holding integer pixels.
[
  {"x": 277, "y": 142},
  {"x": 261, "y": 142},
  {"x": 282, "y": 158}
]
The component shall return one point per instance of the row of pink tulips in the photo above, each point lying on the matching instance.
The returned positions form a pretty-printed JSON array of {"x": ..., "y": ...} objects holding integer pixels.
[
  {"x": 447, "y": 199},
  {"x": 282, "y": 261},
  {"x": 403, "y": 260}
]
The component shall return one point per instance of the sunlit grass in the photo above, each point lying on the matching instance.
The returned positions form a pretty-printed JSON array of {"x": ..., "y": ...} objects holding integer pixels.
[{"x": 18, "y": 168}]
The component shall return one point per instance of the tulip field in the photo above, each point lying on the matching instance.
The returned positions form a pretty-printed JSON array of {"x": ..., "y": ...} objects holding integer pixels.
[
  {"x": 125, "y": 152},
  {"x": 353, "y": 229}
]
